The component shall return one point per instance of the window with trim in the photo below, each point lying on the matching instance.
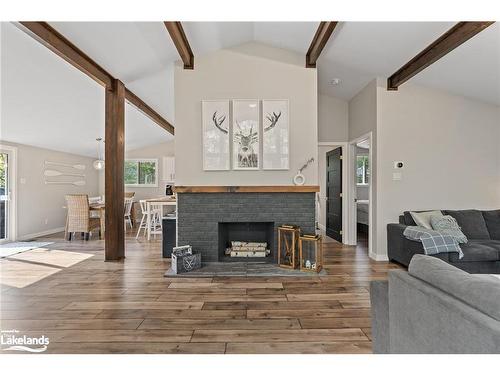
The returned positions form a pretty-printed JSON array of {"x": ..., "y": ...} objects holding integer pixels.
[
  {"x": 141, "y": 172},
  {"x": 362, "y": 170}
]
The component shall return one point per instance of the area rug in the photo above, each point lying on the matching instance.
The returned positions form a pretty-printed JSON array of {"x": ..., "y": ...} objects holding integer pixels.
[
  {"x": 242, "y": 269},
  {"x": 12, "y": 248}
]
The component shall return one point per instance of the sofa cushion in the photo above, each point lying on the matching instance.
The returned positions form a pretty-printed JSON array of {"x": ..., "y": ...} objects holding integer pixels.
[
  {"x": 478, "y": 251},
  {"x": 472, "y": 223},
  {"x": 448, "y": 225},
  {"x": 481, "y": 292},
  {"x": 492, "y": 219},
  {"x": 423, "y": 219},
  {"x": 408, "y": 219}
]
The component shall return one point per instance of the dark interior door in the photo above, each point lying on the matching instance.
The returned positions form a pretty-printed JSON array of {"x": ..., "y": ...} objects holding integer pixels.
[{"x": 334, "y": 194}]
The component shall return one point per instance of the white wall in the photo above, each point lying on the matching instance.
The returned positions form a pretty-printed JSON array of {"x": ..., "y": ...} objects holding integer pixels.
[
  {"x": 251, "y": 71},
  {"x": 363, "y": 120},
  {"x": 333, "y": 127},
  {"x": 363, "y": 112},
  {"x": 333, "y": 116},
  {"x": 449, "y": 145},
  {"x": 38, "y": 202}
]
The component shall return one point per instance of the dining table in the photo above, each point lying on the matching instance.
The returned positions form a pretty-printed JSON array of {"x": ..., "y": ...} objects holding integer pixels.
[
  {"x": 101, "y": 209},
  {"x": 160, "y": 201}
]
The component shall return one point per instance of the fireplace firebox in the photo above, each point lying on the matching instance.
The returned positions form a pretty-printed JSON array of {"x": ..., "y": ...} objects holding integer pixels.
[{"x": 246, "y": 232}]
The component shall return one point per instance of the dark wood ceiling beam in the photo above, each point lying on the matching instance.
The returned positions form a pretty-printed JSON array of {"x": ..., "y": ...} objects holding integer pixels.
[
  {"x": 179, "y": 38},
  {"x": 148, "y": 111},
  {"x": 446, "y": 43},
  {"x": 325, "y": 30},
  {"x": 62, "y": 47}
]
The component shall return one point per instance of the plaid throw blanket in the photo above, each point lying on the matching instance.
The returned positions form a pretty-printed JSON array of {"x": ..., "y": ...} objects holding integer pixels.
[{"x": 432, "y": 241}]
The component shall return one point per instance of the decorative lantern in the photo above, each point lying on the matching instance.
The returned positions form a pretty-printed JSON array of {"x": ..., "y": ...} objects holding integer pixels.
[
  {"x": 288, "y": 236},
  {"x": 311, "y": 253}
]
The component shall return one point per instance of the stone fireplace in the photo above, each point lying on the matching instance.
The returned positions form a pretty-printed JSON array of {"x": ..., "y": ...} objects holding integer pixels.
[{"x": 209, "y": 217}]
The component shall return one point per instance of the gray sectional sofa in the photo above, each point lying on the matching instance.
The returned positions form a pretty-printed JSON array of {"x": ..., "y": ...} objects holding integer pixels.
[
  {"x": 481, "y": 253},
  {"x": 435, "y": 308}
]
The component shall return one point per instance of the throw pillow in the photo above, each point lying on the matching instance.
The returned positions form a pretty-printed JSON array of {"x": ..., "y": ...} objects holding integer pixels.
[
  {"x": 423, "y": 219},
  {"x": 448, "y": 225}
]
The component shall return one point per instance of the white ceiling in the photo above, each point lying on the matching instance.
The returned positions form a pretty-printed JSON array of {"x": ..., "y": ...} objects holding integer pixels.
[
  {"x": 473, "y": 69},
  {"x": 40, "y": 90},
  {"x": 141, "y": 53},
  {"x": 48, "y": 103},
  {"x": 206, "y": 37},
  {"x": 360, "y": 51}
]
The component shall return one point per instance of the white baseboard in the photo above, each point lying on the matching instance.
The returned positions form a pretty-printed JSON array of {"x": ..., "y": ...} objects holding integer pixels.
[
  {"x": 40, "y": 234},
  {"x": 379, "y": 257}
]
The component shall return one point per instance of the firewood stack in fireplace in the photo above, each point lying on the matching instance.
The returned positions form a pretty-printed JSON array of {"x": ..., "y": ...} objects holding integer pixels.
[{"x": 248, "y": 249}]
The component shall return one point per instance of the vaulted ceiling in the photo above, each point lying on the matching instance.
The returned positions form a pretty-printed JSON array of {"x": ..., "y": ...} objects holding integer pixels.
[
  {"x": 40, "y": 88},
  {"x": 48, "y": 103}
]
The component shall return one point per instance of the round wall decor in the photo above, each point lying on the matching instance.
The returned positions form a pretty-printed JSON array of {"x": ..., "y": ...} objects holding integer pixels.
[{"x": 299, "y": 179}]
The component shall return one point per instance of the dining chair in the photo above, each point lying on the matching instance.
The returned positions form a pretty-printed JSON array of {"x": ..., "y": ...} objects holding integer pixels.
[
  {"x": 155, "y": 218},
  {"x": 128, "y": 211},
  {"x": 129, "y": 194},
  {"x": 78, "y": 218}
]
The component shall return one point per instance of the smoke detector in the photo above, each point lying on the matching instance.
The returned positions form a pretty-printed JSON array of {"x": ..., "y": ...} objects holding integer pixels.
[{"x": 335, "y": 82}]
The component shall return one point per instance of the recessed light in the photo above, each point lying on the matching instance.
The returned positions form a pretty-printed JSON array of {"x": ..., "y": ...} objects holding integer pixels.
[
  {"x": 335, "y": 82},
  {"x": 252, "y": 105}
]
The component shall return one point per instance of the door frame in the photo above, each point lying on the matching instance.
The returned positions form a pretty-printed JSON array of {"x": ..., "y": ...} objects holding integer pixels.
[
  {"x": 345, "y": 189},
  {"x": 12, "y": 220},
  {"x": 352, "y": 206}
]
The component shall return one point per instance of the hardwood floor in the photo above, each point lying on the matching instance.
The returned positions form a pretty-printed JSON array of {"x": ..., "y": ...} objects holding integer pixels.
[{"x": 85, "y": 305}]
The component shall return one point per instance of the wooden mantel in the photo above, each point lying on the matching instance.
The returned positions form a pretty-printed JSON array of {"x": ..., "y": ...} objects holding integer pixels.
[{"x": 248, "y": 189}]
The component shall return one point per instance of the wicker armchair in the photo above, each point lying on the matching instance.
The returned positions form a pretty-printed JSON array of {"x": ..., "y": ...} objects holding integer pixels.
[{"x": 78, "y": 219}]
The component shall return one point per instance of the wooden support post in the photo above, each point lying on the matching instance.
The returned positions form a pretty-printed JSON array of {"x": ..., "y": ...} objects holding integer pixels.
[{"x": 114, "y": 234}]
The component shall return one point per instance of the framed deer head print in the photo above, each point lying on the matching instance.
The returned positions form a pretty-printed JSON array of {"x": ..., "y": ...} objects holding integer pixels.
[
  {"x": 275, "y": 139},
  {"x": 246, "y": 134},
  {"x": 216, "y": 130}
]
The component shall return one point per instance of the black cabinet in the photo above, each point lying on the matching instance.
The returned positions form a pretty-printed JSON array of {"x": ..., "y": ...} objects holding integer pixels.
[{"x": 168, "y": 236}]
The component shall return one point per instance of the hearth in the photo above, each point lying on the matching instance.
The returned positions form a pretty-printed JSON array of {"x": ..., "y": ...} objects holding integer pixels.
[{"x": 246, "y": 241}]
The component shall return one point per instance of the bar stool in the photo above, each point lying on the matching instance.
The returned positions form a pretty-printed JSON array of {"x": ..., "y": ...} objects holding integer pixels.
[{"x": 155, "y": 218}]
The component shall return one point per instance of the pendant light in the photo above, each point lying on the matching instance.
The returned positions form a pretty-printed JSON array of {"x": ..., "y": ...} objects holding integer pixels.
[{"x": 99, "y": 163}]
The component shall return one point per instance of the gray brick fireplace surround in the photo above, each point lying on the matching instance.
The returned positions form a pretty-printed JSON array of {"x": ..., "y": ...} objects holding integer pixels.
[{"x": 199, "y": 215}]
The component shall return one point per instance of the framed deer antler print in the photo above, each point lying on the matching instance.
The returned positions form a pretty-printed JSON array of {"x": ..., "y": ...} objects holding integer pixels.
[
  {"x": 246, "y": 135},
  {"x": 215, "y": 119},
  {"x": 275, "y": 138}
]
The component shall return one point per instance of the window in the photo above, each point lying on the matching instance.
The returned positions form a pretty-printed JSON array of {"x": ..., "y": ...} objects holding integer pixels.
[
  {"x": 362, "y": 170},
  {"x": 141, "y": 172}
]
